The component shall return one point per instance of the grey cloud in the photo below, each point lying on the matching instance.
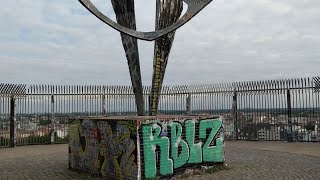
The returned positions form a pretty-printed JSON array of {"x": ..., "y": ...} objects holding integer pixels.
[{"x": 228, "y": 41}]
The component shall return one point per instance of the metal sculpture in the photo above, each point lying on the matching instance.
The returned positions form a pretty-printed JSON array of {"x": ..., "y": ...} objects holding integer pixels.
[
  {"x": 125, "y": 15},
  {"x": 166, "y": 14},
  {"x": 167, "y": 21}
]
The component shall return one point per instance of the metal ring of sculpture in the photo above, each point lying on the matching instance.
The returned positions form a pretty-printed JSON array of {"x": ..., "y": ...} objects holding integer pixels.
[{"x": 194, "y": 7}]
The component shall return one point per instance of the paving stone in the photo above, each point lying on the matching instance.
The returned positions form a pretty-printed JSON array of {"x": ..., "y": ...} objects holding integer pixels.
[{"x": 51, "y": 162}]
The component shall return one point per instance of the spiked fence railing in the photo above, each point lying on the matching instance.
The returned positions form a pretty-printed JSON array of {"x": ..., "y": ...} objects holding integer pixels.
[{"x": 285, "y": 109}]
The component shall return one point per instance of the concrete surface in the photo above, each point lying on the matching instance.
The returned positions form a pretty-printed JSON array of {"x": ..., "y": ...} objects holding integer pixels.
[{"x": 247, "y": 159}]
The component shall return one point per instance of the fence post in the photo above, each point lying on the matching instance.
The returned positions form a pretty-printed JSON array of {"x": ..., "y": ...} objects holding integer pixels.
[
  {"x": 188, "y": 104},
  {"x": 149, "y": 105},
  {"x": 235, "y": 116},
  {"x": 53, "y": 128},
  {"x": 13, "y": 130},
  {"x": 289, "y": 131},
  {"x": 103, "y": 105}
]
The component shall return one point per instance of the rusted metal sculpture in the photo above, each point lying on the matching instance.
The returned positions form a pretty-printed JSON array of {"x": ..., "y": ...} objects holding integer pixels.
[
  {"x": 125, "y": 14},
  {"x": 167, "y": 21},
  {"x": 166, "y": 14}
]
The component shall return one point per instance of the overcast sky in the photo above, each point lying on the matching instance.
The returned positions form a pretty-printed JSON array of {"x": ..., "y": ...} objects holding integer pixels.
[{"x": 60, "y": 42}]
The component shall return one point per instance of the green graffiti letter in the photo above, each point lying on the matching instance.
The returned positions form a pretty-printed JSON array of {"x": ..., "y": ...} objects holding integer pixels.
[
  {"x": 178, "y": 160},
  {"x": 150, "y": 141},
  {"x": 211, "y": 153},
  {"x": 195, "y": 149}
]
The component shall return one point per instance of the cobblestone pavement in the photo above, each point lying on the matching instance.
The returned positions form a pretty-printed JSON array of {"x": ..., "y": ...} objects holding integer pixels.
[{"x": 248, "y": 160}]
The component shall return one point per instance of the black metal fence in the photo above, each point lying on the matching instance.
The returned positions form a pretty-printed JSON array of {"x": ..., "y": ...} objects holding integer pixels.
[{"x": 279, "y": 110}]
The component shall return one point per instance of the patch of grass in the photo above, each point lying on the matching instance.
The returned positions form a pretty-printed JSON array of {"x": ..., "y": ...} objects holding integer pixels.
[
  {"x": 34, "y": 139},
  {"x": 210, "y": 170},
  {"x": 4, "y": 141},
  {"x": 197, "y": 173},
  {"x": 60, "y": 140},
  {"x": 214, "y": 169}
]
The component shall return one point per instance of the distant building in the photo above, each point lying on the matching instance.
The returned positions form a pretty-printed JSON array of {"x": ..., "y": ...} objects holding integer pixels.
[
  {"x": 228, "y": 130},
  {"x": 269, "y": 134}
]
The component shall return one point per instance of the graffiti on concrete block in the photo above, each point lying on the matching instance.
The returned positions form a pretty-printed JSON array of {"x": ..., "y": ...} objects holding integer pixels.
[
  {"x": 180, "y": 144},
  {"x": 104, "y": 148}
]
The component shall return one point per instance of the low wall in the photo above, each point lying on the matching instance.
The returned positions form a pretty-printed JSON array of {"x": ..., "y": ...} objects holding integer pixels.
[{"x": 144, "y": 147}]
